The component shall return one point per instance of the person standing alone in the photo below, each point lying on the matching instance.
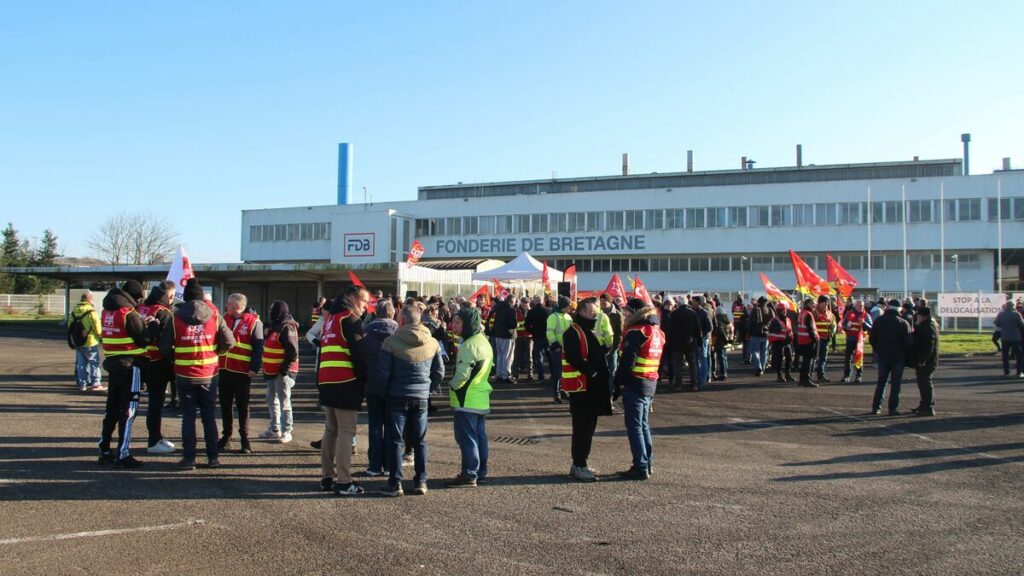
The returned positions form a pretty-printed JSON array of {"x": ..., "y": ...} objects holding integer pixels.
[
  {"x": 87, "y": 347},
  {"x": 926, "y": 359}
]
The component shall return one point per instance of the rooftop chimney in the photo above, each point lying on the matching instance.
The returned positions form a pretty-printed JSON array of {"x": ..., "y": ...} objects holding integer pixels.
[
  {"x": 799, "y": 155},
  {"x": 743, "y": 162},
  {"x": 1006, "y": 164},
  {"x": 966, "y": 139},
  {"x": 625, "y": 163},
  {"x": 689, "y": 160},
  {"x": 344, "y": 172}
]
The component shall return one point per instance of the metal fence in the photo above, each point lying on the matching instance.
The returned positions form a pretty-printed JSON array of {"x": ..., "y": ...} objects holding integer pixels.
[{"x": 31, "y": 304}]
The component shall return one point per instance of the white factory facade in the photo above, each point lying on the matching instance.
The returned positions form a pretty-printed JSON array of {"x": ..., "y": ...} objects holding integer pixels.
[{"x": 896, "y": 226}]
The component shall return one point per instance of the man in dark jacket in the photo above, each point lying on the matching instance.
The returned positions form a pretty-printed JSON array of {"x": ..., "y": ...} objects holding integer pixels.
[
  {"x": 757, "y": 328},
  {"x": 926, "y": 359},
  {"x": 637, "y": 379},
  {"x": 683, "y": 334},
  {"x": 281, "y": 366},
  {"x": 374, "y": 335},
  {"x": 536, "y": 325},
  {"x": 890, "y": 339},
  {"x": 157, "y": 369},
  {"x": 199, "y": 317},
  {"x": 1011, "y": 327},
  {"x": 592, "y": 400},
  {"x": 408, "y": 367},
  {"x": 504, "y": 334},
  {"x": 702, "y": 351},
  {"x": 124, "y": 343}
]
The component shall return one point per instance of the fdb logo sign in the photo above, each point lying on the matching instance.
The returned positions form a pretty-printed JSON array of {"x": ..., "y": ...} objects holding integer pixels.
[{"x": 360, "y": 244}]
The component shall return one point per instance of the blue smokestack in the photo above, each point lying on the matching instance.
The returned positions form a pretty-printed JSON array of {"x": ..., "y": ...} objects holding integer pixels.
[{"x": 344, "y": 172}]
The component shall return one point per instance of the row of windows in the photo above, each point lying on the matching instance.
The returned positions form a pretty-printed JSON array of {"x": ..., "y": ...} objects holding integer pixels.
[
  {"x": 290, "y": 232},
  {"x": 828, "y": 214},
  {"x": 781, "y": 263}
]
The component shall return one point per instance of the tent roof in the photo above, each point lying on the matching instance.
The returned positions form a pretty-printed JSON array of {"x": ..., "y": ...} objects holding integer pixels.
[{"x": 523, "y": 267}]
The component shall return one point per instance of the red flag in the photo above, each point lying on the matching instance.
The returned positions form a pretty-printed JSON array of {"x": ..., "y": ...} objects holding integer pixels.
[
  {"x": 840, "y": 278},
  {"x": 775, "y": 295},
  {"x": 355, "y": 280},
  {"x": 484, "y": 291},
  {"x": 807, "y": 281},
  {"x": 570, "y": 276},
  {"x": 641, "y": 291},
  {"x": 415, "y": 253},
  {"x": 499, "y": 290},
  {"x": 615, "y": 288},
  {"x": 544, "y": 278}
]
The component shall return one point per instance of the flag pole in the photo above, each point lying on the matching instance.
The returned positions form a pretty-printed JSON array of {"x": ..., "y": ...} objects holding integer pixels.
[
  {"x": 942, "y": 241},
  {"x": 870, "y": 215},
  {"x": 903, "y": 213},
  {"x": 999, "y": 233}
]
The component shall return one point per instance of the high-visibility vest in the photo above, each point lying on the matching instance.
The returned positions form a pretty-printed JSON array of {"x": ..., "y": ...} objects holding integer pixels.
[
  {"x": 273, "y": 355},
  {"x": 784, "y": 330},
  {"x": 572, "y": 379},
  {"x": 195, "y": 347},
  {"x": 556, "y": 329},
  {"x": 649, "y": 358},
  {"x": 116, "y": 341},
  {"x": 521, "y": 325},
  {"x": 152, "y": 350},
  {"x": 314, "y": 317},
  {"x": 490, "y": 321},
  {"x": 854, "y": 322},
  {"x": 802, "y": 335},
  {"x": 823, "y": 322},
  {"x": 239, "y": 357},
  {"x": 738, "y": 312},
  {"x": 335, "y": 355}
]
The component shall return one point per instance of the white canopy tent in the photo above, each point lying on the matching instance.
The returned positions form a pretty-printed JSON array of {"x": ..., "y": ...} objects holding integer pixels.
[{"x": 524, "y": 268}]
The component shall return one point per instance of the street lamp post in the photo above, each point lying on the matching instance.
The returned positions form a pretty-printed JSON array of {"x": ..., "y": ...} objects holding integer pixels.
[
  {"x": 743, "y": 275},
  {"x": 956, "y": 271}
]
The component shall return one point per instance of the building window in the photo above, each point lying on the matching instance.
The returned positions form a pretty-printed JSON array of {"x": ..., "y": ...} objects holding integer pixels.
[
  {"x": 539, "y": 223},
  {"x": 595, "y": 221},
  {"x": 758, "y": 215},
  {"x": 620, "y": 264},
  {"x": 1010, "y": 209},
  {"x": 894, "y": 261},
  {"x": 803, "y": 214},
  {"x": 558, "y": 222},
  {"x": 920, "y": 261},
  {"x": 694, "y": 217},
  {"x": 659, "y": 264},
  {"x": 639, "y": 265},
  {"x": 503, "y": 225},
  {"x": 738, "y": 217},
  {"x": 615, "y": 220},
  {"x": 700, "y": 264},
  {"x": 919, "y": 211},
  {"x": 969, "y": 261},
  {"x": 293, "y": 232},
  {"x": 716, "y": 217},
  {"x": 577, "y": 222},
  {"x": 634, "y": 219},
  {"x": 719, "y": 264},
  {"x": 470, "y": 225},
  {"x": 422, "y": 227},
  {"x": 602, "y": 265},
  {"x": 967, "y": 210},
  {"x": 893, "y": 212},
  {"x": 877, "y": 261},
  {"x": 782, "y": 215},
  {"x": 522, "y": 224},
  {"x": 487, "y": 225},
  {"x": 255, "y": 234},
  {"x": 850, "y": 261},
  {"x": 849, "y": 213},
  {"x": 825, "y": 214},
  {"x": 675, "y": 218},
  {"x": 761, "y": 264},
  {"x": 878, "y": 212},
  {"x": 306, "y": 232},
  {"x": 453, "y": 226},
  {"x": 655, "y": 220},
  {"x": 584, "y": 265},
  {"x": 679, "y": 264}
]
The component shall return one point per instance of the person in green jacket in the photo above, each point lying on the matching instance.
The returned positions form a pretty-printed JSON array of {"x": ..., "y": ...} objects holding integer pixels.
[
  {"x": 471, "y": 397},
  {"x": 87, "y": 356}
]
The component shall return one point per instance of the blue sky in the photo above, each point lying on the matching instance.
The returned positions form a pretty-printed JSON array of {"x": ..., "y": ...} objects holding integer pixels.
[{"x": 198, "y": 110}]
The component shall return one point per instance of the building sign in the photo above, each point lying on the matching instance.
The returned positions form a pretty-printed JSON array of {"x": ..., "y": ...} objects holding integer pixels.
[
  {"x": 360, "y": 245},
  {"x": 555, "y": 245},
  {"x": 970, "y": 305}
]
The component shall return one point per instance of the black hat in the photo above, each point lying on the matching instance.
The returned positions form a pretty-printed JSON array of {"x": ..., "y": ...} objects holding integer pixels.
[
  {"x": 134, "y": 289},
  {"x": 822, "y": 298},
  {"x": 924, "y": 312},
  {"x": 192, "y": 290},
  {"x": 564, "y": 302},
  {"x": 635, "y": 304},
  {"x": 894, "y": 303}
]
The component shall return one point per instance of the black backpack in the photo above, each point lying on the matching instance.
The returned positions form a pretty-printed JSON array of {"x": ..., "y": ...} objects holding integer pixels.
[{"x": 77, "y": 334}]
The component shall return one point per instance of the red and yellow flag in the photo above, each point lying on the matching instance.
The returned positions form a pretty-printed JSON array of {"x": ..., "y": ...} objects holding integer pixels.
[
  {"x": 570, "y": 276},
  {"x": 484, "y": 291},
  {"x": 840, "y": 278},
  {"x": 615, "y": 288},
  {"x": 415, "y": 253},
  {"x": 499, "y": 290},
  {"x": 545, "y": 279},
  {"x": 775, "y": 295},
  {"x": 807, "y": 281},
  {"x": 641, "y": 291}
]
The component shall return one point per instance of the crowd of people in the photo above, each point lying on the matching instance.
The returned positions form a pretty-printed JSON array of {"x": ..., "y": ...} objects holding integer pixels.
[{"x": 391, "y": 357}]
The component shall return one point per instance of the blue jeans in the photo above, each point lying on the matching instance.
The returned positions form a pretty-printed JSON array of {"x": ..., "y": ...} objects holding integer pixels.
[
  {"x": 407, "y": 422},
  {"x": 613, "y": 364},
  {"x": 539, "y": 353},
  {"x": 721, "y": 363},
  {"x": 87, "y": 366},
  {"x": 703, "y": 361},
  {"x": 376, "y": 415},
  {"x": 887, "y": 369},
  {"x": 206, "y": 398},
  {"x": 471, "y": 434},
  {"x": 637, "y": 410},
  {"x": 821, "y": 363},
  {"x": 1016, "y": 348},
  {"x": 759, "y": 352}
]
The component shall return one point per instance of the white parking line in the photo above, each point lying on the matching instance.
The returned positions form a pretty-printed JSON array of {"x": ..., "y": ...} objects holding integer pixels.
[{"x": 52, "y": 537}]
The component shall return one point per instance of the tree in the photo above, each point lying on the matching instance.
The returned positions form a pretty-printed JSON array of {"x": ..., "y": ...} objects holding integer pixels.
[
  {"x": 46, "y": 255},
  {"x": 134, "y": 238},
  {"x": 10, "y": 255}
]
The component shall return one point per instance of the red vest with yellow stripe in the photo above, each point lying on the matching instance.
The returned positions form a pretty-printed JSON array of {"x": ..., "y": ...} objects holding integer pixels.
[
  {"x": 649, "y": 358},
  {"x": 116, "y": 341},
  {"x": 195, "y": 347},
  {"x": 803, "y": 336},
  {"x": 854, "y": 322},
  {"x": 146, "y": 311},
  {"x": 521, "y": 325},
  {"x": 572, "y": 379},
  {"x": 239, "y": 357},
  {"x": 273, "y": 355},
  {"x": 335, "y": 355}
]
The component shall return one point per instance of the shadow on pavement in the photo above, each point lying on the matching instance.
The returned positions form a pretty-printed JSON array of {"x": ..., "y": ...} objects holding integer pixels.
[
  {"x": 981, "y": 462},
  {"x": 912, "y": 454},
  {"x": 939, "y": 424}
]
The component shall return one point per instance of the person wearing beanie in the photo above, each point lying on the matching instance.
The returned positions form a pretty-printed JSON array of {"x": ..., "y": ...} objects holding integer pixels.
[
  {"x": 825, "y": 324},
  {"x": 585, "y": 378},
  {"x": 807, "y": 341},
  {"x": 636, "y": 380},
  {"x": 157, "y": 369},
  {"x": 124, "y": 340},
  {"x": 557, "y": 323},
  {"x": 780, "y": 339},
  {"x": 536, "y": 325},
  {"x": 891, "y": 340},
  {"x": 87, "y": 350},
  {"x": 926, "y": 359},
  {"x": 280, "y": 365},
  {"x": 856, "y": 323},
  {"x": 470, "y": 395},
  {"x": 194, "y": 338}
]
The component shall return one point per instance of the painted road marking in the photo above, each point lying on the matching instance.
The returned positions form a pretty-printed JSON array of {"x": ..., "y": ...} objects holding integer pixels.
[{"x": 52, "y": 537}]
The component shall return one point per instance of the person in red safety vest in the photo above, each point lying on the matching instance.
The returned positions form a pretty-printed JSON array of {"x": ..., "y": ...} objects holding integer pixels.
[
  {"x": 856, "y": 325},
  {"x": 636, "y": 380},
  {"x": 157, "y": 370},
  {"x": 585, "y": 378},
  {"x": 237, "y": 369},
  {"x": 806, "y": 342},
  {"x": 780, "y": 340}
]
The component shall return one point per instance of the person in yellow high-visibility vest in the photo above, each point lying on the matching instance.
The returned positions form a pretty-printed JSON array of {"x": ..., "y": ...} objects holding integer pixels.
[{"x": 557, "y": 323}]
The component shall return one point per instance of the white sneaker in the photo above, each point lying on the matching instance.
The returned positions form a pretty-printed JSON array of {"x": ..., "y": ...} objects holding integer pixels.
[
  {"x": 285, "y": 438},
  {"x": 269, "y": 434},
  {"x": 161, "y": 447},
  {"x": 584, "y": 474}
]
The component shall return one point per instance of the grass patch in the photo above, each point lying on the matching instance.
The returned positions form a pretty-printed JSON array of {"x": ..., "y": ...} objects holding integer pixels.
[{"x": 966, "y": 343}]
